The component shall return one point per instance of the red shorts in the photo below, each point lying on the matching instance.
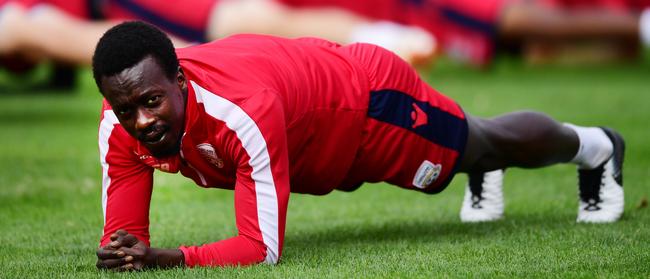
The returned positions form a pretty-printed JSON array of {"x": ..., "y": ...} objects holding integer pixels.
[
  {"x": 378, "y": 9},
  {"x": 466, "y": 29},
  {"x": 185, "y": 19},
  {"x": 414, "y": 136}
]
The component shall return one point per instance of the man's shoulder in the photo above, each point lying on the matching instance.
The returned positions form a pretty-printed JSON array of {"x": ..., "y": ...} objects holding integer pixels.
[
  {"x": 209, "y": 93},
  {"x": 107, "y": 117},
  {"x": 247, "y": 47}
]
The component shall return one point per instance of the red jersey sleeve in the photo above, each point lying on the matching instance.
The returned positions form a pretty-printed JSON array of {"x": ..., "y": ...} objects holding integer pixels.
[
  {"x": 126, "y": 182},
  {"x": 256, "y": 141}
]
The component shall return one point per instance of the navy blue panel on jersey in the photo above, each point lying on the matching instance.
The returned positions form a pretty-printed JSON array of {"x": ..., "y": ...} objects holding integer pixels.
[
  {"x": 185, "y": 32},
  {"x": 413, "y": 2},
  {"x": 397, "y": 108},
  {"x": 462, "y": 19},
  {"x": 94, "y": 9}
]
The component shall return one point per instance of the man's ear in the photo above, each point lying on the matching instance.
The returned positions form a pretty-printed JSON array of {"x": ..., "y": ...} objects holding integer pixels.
[{"x": 181, "y": 80}]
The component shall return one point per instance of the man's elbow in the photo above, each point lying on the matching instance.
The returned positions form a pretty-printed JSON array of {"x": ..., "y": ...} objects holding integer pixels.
[
  {"x": 269, "y": 253},
  {"x": 271, "y": 257}
]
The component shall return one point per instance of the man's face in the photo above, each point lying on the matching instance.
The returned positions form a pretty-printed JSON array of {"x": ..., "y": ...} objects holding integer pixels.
[{"x": 149, "y": 105}]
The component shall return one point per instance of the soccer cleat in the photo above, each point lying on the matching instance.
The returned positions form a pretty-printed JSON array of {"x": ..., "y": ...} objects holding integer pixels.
[
  {"x": 601, "y": 189},
  {"x": 483, "y": 200}
]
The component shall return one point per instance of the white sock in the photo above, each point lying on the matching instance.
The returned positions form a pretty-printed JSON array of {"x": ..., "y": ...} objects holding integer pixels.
[
  {"x": 644, "y": 27},
  {"x": 595, "y": 146}
]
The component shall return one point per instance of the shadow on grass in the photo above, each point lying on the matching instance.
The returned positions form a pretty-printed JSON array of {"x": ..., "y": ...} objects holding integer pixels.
[{"x": 337, "y": 237}]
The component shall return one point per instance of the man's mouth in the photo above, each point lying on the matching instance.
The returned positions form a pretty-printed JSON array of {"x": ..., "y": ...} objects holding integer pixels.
[
  {"x": 156, "y": 139},
  {"x": 154, "y": 135}
]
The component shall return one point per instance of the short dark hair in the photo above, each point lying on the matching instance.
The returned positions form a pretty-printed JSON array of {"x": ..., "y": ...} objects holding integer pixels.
[{"x": 126, "y": 44}]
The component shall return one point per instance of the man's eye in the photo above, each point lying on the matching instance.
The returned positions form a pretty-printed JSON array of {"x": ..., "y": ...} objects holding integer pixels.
[
  {"x": 153, "y": 100},
  {"x": 123, "y": 111}
]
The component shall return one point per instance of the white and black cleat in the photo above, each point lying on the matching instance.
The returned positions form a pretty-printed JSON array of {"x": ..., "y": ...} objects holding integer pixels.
[
  {"x": 601, "y": 189},
  {"x": 483, "y": 200}
]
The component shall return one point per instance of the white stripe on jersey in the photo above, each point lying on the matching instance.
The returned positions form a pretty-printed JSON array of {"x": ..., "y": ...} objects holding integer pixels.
[
  {"x": 105, "y": 130},
  {"x": 255, "y": 145}
]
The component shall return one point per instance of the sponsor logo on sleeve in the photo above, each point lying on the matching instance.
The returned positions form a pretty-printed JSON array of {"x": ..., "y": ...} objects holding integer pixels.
[{"x": 427, "y": 173}]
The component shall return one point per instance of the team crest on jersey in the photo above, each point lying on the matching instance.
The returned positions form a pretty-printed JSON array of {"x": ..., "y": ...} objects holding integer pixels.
[
  {"x": 427, "y": 173},
  {"x": 207, "y": 151}
]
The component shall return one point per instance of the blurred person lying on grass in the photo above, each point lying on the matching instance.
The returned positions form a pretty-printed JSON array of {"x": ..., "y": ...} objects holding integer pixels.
[
  {"x": 67, "y": 30},
  {"x": 544, "y": 31},
  {"x": 267, "y": 116}
]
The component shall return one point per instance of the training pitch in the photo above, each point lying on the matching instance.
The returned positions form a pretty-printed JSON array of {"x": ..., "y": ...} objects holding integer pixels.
[{"x": 51, "y": 216}]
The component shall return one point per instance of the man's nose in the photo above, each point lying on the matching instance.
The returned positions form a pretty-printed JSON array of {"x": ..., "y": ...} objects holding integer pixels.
[{"x": 144, "y": 119}]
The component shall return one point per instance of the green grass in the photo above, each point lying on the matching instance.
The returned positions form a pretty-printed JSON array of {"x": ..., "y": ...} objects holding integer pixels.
[{"x": 50, "y": 211}]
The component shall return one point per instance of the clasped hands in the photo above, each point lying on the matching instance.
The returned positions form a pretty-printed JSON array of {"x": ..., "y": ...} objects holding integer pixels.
[{"x": 125, "y": 252}]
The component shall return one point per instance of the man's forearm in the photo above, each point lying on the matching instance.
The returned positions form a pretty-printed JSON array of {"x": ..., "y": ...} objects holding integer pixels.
[{"x": 164, "y": 258}]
